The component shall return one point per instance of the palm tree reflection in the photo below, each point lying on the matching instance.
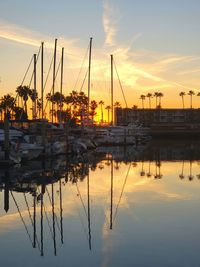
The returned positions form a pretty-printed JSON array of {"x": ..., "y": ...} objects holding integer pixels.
[
  {"x": 182, "y": 176},
  {"x": 190, "y": 176},
  {"x": 149, "y": 170}
]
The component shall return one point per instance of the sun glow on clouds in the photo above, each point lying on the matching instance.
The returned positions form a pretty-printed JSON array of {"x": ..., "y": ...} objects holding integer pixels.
[{"x": 140, "y": 71}]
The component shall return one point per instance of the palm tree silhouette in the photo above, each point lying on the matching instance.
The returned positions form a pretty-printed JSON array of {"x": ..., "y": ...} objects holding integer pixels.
[
  {"x": 182, "y": 94},
  {"x": 156, "y": 94},
  {"x": 33, "y": 96},
  {"x": 49, "y": 100},
  {"x": 7, "y": 104},
  {"x": 101, "y": 103},
  {"x": 160, "y": 95},
  {"x": 142, "y": 97},
  {"x": 191, "y": 93},
  {"x": 24, "y": 92},
  {"x": 108, "y": 109},
  {"x": 93, "y": 106},
  {"x": 39, "y": 107},
  {"x": 149, "y": 96},
  {"x": 117, "y": 104}
]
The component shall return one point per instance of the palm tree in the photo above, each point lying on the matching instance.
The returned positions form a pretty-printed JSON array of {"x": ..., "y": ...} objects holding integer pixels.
[
  {"x": 160, "y": 95},
  {"x": 93, "y": 106},
  {"x": 182, "y": 94},
  {"x": 101, "y": 103},
  {"x": 149, "y": 96},
  {"x": 49, "y": 100},
  {"x": 58, "y": 99},
  {"x": 191, "y": 93},
  {"x": 39, "y": 107},
  {"x": 134, "y": 107},
  {"x": 142, "y": 97},
  {"x": 117, "y": 104},
  {"x": 7, "y": 104},
  {"x": 23, "y": 92},
  {"x": 33, "y": 96},
  {"x": 108, "y": 109},
  {"x": 156, "y": 94},
  {"x": 19, "y": 113}
]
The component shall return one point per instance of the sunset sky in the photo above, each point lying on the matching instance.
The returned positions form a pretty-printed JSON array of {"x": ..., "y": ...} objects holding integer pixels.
[{"x": 155, "y": 43}]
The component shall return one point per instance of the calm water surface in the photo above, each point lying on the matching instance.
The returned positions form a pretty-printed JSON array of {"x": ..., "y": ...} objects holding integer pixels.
[{"x": 130, "y": 208}]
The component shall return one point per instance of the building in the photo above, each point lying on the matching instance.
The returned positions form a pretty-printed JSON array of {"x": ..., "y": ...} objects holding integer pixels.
[{"x": 162, "y": 121}]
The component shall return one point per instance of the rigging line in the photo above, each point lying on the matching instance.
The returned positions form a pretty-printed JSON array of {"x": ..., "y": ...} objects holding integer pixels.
[
  {"x": 81, "y": 68},
  {"x": 83, "y": 81},
  {"x": 120, "y": 84},
  {"x": 47, "y": 217},
  {"x": 26, "y": 71},
  {"x": 21, "y": 217},
  {"x": 52, "y": 85},
  {"x": 28, "y": 209},
  {"x": 31, "y": 218},
  {"x": 48, "y": 222},
  {"x": 79, "y": 214},
  {"x": 48, "y": 73},
  {"x": 54, "y": 211},
  {"x": 105, "y": 207},
  {"x": 24, "y": 78},
  {"x": 79, "y": 193},
  {"x": 36, "y": 63},
  {"x": 121, "y": 193}
]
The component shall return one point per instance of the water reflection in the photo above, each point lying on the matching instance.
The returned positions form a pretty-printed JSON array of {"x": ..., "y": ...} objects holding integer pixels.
[{"x": 58, "y": 201}]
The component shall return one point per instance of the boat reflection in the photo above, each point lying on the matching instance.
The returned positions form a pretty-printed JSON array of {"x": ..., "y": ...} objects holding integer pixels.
[{"x": 37, "y": 187}]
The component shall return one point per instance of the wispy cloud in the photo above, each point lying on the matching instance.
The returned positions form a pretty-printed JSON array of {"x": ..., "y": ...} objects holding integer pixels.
[
  {"x": 25, "y": 36},
  {"x": 110, "y": 21},
  {"x": 139, "y": 70},
  {"x": 192, "y": 71},
  {"x": 20, "y": 35}
]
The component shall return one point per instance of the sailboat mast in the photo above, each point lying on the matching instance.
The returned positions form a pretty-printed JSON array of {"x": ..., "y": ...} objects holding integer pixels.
[
  {"x": 42, "y": 79},
  {"x": 6, "y": 191},
  {"x": 53, "y": 215},
  {"x": 34, "y": 220},
  {"x": 61, "y": 211},
  {"x": 54, "y": 77},
  {"x": 112, "y": 105},
  {"x": 89, "y": 223},
  {"x": 61, "y": 84},
  {"x": 35, "y": 85},
  {"x": 111, "y": 196},
  {"x": 41, "y": 222},
  {"x": 89, "y": 76}
]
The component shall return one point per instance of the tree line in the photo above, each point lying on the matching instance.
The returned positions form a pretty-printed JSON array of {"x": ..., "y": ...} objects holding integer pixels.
[
  {"x": 72, "y": 107},
  {"x": 159, "y": 95}
]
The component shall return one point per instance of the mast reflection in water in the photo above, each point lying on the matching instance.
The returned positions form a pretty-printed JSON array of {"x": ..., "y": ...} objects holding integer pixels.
[{"x": 114, "y": 207}]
